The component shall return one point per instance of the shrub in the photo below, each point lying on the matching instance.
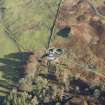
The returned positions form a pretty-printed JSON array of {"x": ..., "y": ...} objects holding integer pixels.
[
  {"x": 16, "y": 98},
  {"x": 25, "y": 84}
]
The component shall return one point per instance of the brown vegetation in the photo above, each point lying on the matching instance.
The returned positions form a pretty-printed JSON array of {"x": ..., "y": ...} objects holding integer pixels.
[{"x": 88, "y": 38}]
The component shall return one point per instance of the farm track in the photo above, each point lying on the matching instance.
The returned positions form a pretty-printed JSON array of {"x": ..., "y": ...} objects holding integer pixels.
[
  {"x": 54, "y": 22},
  {"x": 16, "y": 43}
]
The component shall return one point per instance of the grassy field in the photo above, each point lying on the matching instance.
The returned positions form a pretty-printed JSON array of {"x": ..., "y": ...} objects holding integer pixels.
[{"x": 30, "y": 21}]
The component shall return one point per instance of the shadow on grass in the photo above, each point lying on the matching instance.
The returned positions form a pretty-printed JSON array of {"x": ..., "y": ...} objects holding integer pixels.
[{"x": 11, "y": 67}]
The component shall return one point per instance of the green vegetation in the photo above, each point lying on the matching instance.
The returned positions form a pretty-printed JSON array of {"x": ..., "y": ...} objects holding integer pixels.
[
  {"x": 20, "y": 99},
  {"x": 27, "y": 21},
  {"x": 6, "y": 45}
]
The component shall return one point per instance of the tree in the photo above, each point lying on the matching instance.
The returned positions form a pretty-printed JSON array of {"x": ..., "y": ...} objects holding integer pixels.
[{"x": 16, "y": 98}]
